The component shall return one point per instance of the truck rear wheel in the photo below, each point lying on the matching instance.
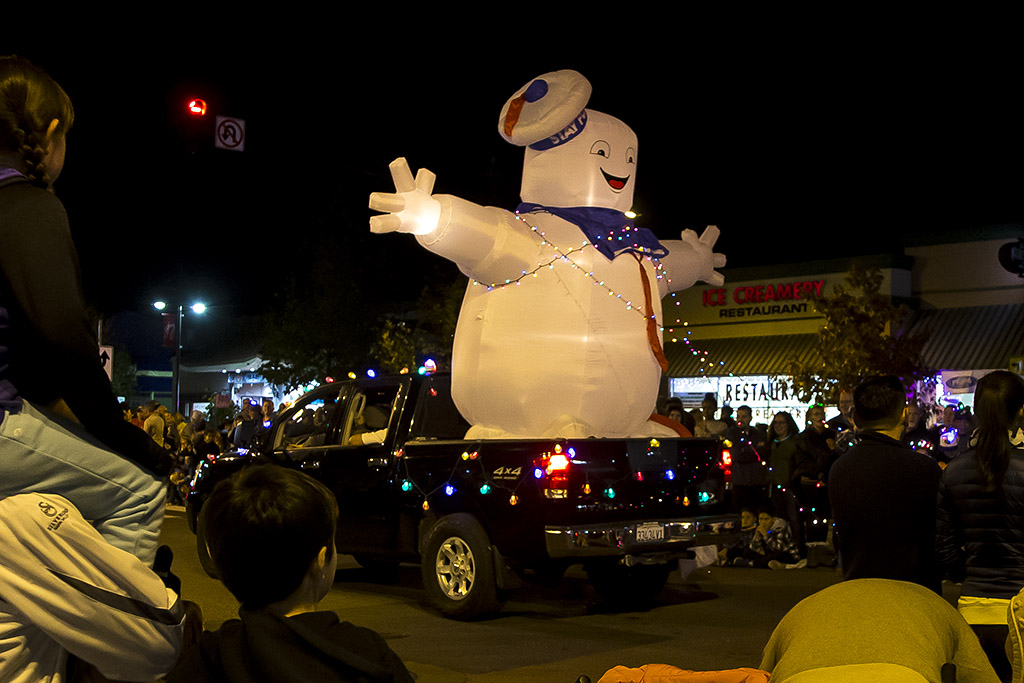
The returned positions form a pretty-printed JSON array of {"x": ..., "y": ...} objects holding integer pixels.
[
  {"x": 630, "y": 587},
  {"x": 204, "y": 553},
  {"x": 458, "y": 568}
]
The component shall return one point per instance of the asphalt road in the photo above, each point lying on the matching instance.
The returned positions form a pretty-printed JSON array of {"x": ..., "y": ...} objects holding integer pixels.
[{"x": 719, "y": 618}]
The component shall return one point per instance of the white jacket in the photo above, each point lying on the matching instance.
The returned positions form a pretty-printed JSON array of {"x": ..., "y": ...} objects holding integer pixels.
[{"x": 64, "y": 589}]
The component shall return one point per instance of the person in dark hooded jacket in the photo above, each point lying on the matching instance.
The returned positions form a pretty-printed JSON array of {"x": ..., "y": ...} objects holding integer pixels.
[
  {"x": 283, "y": 522},
  {"x": 980, "y": 518}
]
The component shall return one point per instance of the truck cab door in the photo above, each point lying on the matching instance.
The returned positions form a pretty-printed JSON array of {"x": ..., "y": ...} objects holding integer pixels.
[{"x": 359, "y": 467}]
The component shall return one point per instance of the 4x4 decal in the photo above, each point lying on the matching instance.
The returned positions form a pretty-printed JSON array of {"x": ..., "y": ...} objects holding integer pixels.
[{"x": 506, "y": 473}]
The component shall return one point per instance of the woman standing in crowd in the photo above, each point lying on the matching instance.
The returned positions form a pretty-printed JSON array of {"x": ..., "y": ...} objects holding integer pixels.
[
  {"x": 981, "y": 514},
  {"x": 782, "y": 447},
  {"x": 781, "y": 452}
]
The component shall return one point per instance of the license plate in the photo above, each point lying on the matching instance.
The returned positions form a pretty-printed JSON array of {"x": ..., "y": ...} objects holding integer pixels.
[{"x": 650, "y": 532}]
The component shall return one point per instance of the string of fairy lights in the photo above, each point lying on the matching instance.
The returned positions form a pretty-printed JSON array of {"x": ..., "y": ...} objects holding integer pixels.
[
  {"x": 486, "y": 483},
  {"x": 563, "y": 255},
  {"x": 704, "y": 357},
  {"x": 451, "y": 484}
]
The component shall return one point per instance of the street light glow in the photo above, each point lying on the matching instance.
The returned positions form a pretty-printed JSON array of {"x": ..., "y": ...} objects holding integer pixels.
[{"x": 198, "y": 308}]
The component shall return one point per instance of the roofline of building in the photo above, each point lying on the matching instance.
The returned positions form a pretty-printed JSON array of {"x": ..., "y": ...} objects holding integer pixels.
[{"x": 837, "y": 265}]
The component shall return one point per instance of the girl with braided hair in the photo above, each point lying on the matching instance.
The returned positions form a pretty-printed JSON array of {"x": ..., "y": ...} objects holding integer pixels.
[{"x": 61, "y": 428}]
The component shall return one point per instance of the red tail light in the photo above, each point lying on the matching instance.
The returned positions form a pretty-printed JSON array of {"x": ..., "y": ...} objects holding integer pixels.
[
  {"x": 552, "y": 468},
  {"x": 557, "y": 463},
  {"x": 726, "y": 464}
]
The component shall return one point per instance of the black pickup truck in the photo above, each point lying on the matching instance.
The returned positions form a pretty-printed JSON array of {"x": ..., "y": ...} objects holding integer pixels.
[{"x": 481, "y": 516}]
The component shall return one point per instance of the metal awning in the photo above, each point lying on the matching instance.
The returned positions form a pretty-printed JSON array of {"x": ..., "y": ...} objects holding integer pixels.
[
  {"x": 974, "y": 338},
  {"x": 738, "y": 355}
]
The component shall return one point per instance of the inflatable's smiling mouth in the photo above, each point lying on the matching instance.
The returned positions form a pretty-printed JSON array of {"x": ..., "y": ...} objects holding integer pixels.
[{"x": 615, "y": 182}]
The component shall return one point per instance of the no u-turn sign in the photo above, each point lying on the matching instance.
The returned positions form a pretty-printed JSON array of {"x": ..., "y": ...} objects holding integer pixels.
[{"x": 230, "y": 133}]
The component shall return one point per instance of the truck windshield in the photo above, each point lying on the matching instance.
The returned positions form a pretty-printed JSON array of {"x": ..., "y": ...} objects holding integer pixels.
[{"x": 311, "y": 424}]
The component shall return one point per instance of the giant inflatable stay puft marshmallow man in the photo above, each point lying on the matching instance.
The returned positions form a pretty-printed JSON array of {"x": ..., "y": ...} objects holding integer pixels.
[{"x": 559, "y": 333}]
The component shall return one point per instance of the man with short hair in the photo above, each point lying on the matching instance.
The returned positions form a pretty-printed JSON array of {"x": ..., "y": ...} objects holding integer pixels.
[
  {"x": 917, "y": 434},
  {"x": 245, "y": 425},
  {"x": 812, "y": 461},
  {"x": 749, "y": 473},
  {"x": 152, "y": 423},
  {"x": 745, "y": 424},
  {"x": 725, "y": 415},
  {"x": 883, "y": 494},
  {"x": 192, "y": 431},
  {"x": 710, "y": 426},
  {"x": 844, "y": 420}
]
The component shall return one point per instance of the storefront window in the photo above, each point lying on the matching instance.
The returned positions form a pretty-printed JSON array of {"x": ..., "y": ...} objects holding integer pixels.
[{"x": 764, "y": 394}]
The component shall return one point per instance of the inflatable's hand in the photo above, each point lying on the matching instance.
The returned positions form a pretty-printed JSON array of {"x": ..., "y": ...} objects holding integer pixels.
[
  {"x": 704, "y": 246},
  {"x": 410, "y": 209}
]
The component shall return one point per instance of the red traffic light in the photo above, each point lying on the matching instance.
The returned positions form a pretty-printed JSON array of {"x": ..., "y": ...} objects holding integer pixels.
[{"x": 197, "y": 107}]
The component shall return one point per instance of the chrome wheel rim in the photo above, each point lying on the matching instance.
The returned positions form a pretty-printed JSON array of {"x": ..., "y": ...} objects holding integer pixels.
[{"x": 455, "y": 568}]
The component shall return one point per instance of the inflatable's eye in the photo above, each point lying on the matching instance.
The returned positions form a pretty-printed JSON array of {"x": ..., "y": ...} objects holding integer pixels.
[
  {"x": 630, "y": 156},
  {"x": 601, "y": 148}
]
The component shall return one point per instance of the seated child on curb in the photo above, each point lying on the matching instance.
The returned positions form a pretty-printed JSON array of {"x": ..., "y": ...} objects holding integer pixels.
[
  {"x": 270, "y": 531},
  {"x": 734, "y": 551},
  {"x": 769, "y": 544}
]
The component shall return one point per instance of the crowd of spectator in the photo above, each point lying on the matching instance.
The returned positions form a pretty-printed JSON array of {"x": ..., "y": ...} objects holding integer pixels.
[
  {"x": 86, "y": 592},
  {"x": 190, "y": 441},
  {"x": 856, "y": 492},
  {"x": 783, "y": 470},
  {"x": 903, "y": 504}
]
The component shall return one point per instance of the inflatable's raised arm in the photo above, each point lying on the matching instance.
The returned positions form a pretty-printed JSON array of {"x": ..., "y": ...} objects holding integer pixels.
[
  {"x": 461, "y": 231},
  {"x": 691, "y": 260},
  {"x": 559, "y": 333}
]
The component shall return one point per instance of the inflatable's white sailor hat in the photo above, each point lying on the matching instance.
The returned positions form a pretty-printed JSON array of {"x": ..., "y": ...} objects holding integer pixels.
[{"x": 546, "y": 112}]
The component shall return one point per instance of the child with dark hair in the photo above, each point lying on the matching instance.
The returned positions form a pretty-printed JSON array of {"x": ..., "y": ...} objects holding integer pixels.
[
  {"x": 765, "y": 541},
  {"x": 270, "y": 531},
  {"x": 734, "y": 553},
  {"x": 773, "y": 540}
]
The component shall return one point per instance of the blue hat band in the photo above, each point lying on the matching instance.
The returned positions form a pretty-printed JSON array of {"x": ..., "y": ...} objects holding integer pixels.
[{"x": 563, "y": 136}]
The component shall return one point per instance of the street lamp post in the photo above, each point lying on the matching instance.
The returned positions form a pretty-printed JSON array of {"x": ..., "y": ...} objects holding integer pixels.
[{"x": 197, "y": 308}]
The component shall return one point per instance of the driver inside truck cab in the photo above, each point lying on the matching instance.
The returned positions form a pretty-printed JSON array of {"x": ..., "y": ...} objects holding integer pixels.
[{"x": 369, "y": 422}]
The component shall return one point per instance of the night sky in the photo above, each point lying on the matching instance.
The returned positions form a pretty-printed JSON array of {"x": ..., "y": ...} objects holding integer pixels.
[{"x": 797, "y": 147}]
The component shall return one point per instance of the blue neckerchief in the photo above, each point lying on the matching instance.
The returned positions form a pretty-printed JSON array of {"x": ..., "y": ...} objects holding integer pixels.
[{"x": 608, "y": 230}]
